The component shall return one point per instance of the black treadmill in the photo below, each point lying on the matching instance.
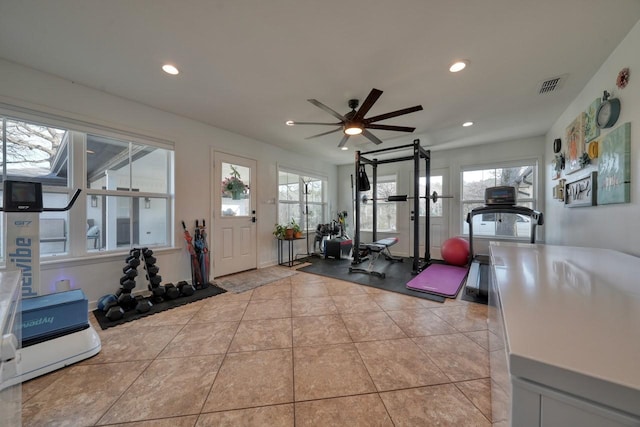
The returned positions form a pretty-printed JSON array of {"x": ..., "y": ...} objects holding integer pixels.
[{"x": 500, "y": 199}]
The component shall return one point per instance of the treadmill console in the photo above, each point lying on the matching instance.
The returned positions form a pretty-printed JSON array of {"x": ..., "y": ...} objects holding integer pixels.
[{"x": 503, "y": 195}]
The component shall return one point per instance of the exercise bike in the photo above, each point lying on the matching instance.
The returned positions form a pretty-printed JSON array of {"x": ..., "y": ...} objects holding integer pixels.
[{"x": 55, "y": 328}]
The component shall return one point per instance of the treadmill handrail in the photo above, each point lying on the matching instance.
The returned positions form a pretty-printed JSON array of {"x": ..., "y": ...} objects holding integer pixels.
[
  {"x": 522, "y": 210},
  {"x": 536, "y": 216}
]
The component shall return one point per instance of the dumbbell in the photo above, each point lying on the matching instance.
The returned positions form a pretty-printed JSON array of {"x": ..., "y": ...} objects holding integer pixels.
[
  {"x": 153, "y": 269},
  {"x": 186, "y": 289},
  {"x": 128, "y": 284},
  {"x": 150, "y": 260},
  {"x": 105, "y": 302},
  {"x": 143, "y": 306},
  {"x": 132, "y": 262},
  {"x": 129, "y": 273},
  {"x": 115, "y": 313},
  {"x": 127, "y": 301},
  {"x": 157, "y": 293},
  {"x": 147, "y": 252},
  {"x": 155, "y": 280},
  {"x": 170, "y": 291},
  {"x": 135, "y": 253}
]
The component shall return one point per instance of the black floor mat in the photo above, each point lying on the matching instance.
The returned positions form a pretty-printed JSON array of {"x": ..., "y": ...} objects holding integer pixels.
[
  {"x": 207, "y": 292},
  {"x": 397, "y": 274}
]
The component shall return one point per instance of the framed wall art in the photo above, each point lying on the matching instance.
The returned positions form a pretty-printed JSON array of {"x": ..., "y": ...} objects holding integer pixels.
[
  {"x": 581, "y": 192},
  {"x": 614, "y": 166},
  {"x": 591, "y": 131},
  {"x": 574, "y": 143}
]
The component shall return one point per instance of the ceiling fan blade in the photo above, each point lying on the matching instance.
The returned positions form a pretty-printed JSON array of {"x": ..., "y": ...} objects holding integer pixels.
[
  {"x": 343, "y": 141},
  {"x": 390, "y": 127},
  {"x": 292, "y": 123},
  {"x": 393, "y": 114},
  {"x": 371, "y": 137},
  {"x": 327, "y": 109},
  {"x": 367, "y": 104},
  {"x": 324, "y": 133}
]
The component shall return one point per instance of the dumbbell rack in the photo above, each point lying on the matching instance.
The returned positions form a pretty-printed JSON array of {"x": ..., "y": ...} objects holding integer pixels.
[
  {"x": 124, "y": 300},
  {"x": 115, "y": 306}
]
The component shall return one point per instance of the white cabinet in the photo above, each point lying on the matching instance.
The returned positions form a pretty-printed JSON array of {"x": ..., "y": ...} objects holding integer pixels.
[
  {"x": 568, "y": 342},
  {"x": 10, "y": 342},
  {"x": 536, "y": 405}
]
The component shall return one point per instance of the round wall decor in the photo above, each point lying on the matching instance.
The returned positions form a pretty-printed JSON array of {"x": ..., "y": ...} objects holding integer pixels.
[{"x": 608, "y": 111}]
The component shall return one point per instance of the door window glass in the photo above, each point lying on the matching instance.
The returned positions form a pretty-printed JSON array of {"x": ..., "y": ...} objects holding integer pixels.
[{"x": 235, "y": 190}]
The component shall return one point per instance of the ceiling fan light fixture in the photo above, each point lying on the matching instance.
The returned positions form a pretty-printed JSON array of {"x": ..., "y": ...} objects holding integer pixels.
[
  {"x": 458, "y": 66},
  {"x": 353, "y": 129}
]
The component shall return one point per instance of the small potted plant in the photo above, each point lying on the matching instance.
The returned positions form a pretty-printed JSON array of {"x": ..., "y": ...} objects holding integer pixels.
[
  {"x": 279, "y": 231},
  {"x": 297, "y": 232}
]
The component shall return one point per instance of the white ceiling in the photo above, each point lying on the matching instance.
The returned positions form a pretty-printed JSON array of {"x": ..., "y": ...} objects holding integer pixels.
[{"x": 248, "y": 66}]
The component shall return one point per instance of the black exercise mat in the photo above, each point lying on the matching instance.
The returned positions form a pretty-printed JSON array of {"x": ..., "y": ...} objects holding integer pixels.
[
  {"x": 130, "y": 315},
  {"x": 397, "y": 274}
]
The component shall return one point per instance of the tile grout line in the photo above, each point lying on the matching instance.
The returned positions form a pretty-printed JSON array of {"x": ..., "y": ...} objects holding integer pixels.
[
  {"x": 293, "y": 356},
  {"x": 224, "y": 357}
]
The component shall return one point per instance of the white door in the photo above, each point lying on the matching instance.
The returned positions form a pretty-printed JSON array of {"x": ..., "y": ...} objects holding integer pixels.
[
  {"x": 439, "y": 219},
  {"x": 234, "y": 214}
]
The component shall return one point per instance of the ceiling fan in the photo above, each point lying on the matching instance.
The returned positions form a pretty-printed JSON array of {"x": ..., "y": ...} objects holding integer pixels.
[{"x": 354, "y": 123}]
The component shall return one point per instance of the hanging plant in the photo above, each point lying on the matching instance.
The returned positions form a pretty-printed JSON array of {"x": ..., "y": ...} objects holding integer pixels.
[{"x": 233, "y": 186}]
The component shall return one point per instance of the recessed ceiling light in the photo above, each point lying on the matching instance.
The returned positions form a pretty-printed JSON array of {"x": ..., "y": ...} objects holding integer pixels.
[
  {"x": 467, "y": 124},
  {"x": 170, "y": 69},
  {"x": 458, "y": 66},
  {"x": 289, "y": 123},
  {"x": 344, "y": 148}
]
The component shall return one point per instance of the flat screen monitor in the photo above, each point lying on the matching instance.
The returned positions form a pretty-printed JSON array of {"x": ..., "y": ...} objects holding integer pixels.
[{"x": 22, "y": 196}]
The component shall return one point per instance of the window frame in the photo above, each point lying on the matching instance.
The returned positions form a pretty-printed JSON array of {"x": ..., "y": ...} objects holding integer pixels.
[
  {"x": 76, "y": 178},
  {"x": 301, "y": 202},
  {"x": 368, "y": 208}
]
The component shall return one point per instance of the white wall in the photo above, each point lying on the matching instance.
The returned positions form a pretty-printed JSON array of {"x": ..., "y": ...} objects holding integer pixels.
[
  {"x": 194, "y": 141},
  {"x": 454, "y": 161},
  {"x": 607, "y": 226}
]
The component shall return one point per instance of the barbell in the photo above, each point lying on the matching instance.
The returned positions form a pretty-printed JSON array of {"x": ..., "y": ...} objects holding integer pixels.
[{"x": 403, "y": 198}]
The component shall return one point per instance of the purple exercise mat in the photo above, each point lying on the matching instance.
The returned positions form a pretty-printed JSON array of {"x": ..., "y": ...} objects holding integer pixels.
[{"x": 440, "y": 279}]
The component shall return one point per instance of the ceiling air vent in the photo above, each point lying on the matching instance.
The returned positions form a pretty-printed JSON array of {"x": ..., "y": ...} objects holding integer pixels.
[{"x": 551, "y": 85}]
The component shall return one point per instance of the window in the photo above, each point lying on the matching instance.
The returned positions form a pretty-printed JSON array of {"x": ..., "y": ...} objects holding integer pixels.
[
  {"x": 435, "y": 182},
  {"x": 385, "y": 187},
  {"x": 132, "y": 205},
  {"x": 293, "y": 199},
  {"x": 127, "y": 187},
  {"x": 474, "y": 183},
  {"x": 36, "y": 152}
]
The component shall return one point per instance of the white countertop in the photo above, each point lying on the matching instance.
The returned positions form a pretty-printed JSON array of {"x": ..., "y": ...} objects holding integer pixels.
[{"x": 572, "y": 319}]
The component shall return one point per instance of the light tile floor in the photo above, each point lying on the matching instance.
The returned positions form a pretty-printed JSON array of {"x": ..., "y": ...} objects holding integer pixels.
[{"x": 303, "y": 351}]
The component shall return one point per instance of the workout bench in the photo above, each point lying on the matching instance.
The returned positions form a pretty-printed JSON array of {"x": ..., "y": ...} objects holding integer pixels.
[{"x": 374, "y": 250}]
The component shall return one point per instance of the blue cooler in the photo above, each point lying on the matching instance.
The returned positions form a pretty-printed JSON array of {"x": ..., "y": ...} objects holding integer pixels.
[{"x": 50, "y": 316}]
